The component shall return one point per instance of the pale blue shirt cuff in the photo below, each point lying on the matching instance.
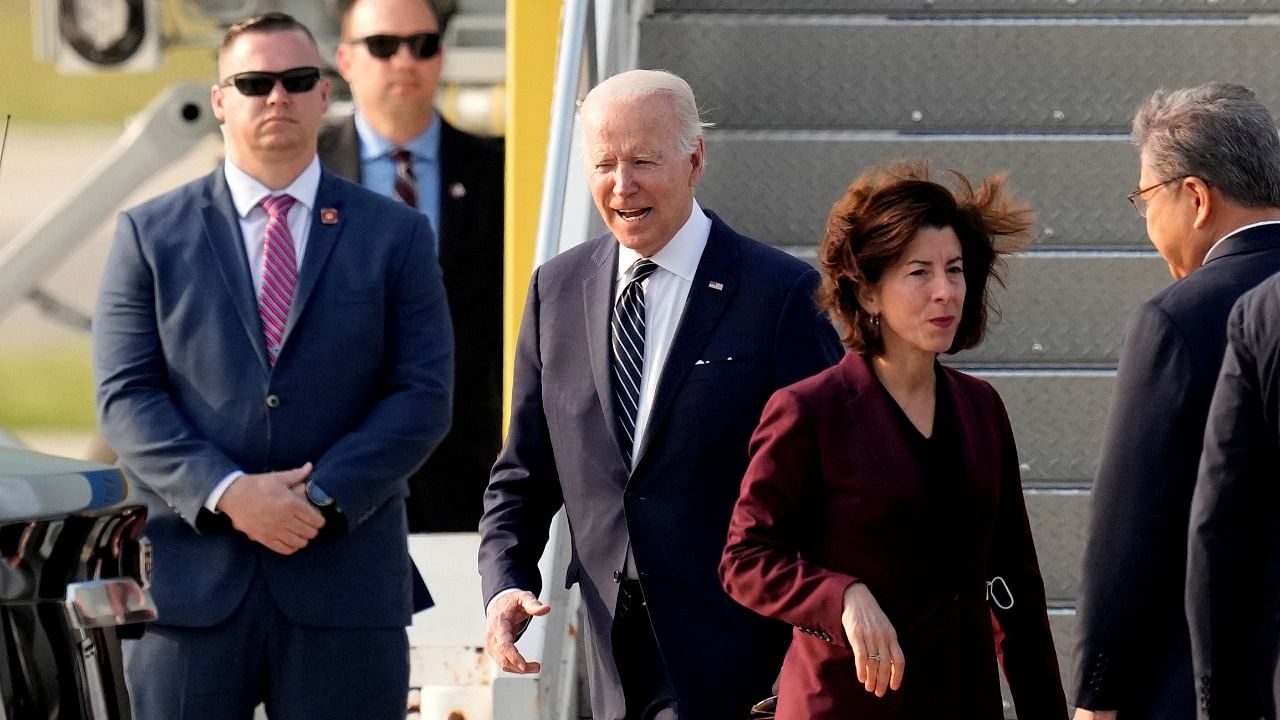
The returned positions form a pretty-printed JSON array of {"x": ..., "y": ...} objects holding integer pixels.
[{"x": 211, "y": 504}]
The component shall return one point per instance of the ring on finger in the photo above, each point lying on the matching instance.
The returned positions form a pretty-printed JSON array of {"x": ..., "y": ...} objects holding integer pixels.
[{"x": 874, "y": 658}]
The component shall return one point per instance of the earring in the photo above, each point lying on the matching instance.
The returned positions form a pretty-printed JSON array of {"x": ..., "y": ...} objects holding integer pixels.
[{"x": 875, "y": 320}]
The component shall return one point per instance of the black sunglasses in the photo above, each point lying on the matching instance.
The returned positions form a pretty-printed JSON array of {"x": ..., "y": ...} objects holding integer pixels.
[
  {"x": 257, "y": 83},
  {"x": 423, "y": 46}
]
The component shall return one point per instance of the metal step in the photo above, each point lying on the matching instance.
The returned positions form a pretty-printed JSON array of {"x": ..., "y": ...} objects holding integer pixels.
[
  {"x": 983, "y": 75},
  {"x": 1060, "y": 309},
  {"x": 962, "y": 7},
  {"x": 778, "y": 186},
  {"x": 1057, "y": 419},
  {"x": 1059, "y": 520}
]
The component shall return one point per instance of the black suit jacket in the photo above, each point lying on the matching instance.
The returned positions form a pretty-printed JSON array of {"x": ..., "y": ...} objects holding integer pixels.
[
  {"x": 445, "y": 493},
  {"x": 750, "y": 327},
  {"x": 1132, "y": 647},
  {"x": 1233, "y": 584}
]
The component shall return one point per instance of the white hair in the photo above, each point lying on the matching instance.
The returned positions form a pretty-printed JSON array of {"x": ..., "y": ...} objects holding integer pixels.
[{"x": 638, "y": 84}]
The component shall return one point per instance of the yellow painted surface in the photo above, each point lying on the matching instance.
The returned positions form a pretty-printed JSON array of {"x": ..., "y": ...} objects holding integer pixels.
[{"x": 533, "y": 27}]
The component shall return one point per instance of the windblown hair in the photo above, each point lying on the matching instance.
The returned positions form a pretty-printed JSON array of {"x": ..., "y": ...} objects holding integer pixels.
[{"x": 879, "y": 215}]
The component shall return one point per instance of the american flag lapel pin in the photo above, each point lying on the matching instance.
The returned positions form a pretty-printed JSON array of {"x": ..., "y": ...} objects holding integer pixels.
[
  {"x": 715, "y": 285},
  {"x": 329, "y": 216}
]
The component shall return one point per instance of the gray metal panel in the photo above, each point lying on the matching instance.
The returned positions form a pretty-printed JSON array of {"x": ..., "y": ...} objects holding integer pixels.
[
  {"x": 1066, "y": 311},
  {"x": 852, "y": 72},
  {"x": 1059, "y": 519},
  {"x": 1062, "y": 624},
  {"x": 952, "y": 7},
  {"x": 778, "y": 186},
  {"x": 1061, "y": 309},
  {"x": 1057, "y": 420}
]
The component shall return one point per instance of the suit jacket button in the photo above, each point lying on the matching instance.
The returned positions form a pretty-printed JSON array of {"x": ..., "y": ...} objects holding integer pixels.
[
  {"x": 273, "y": 401},
  {"x": 617, "y": 576}
]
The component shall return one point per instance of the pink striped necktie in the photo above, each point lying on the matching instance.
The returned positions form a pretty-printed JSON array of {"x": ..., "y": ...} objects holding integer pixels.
[
  {"x": 406, "y": 185},
  {"x": 279, "y": 272}
]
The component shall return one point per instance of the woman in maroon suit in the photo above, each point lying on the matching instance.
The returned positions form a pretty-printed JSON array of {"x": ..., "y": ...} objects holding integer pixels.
[{"x": 883, "y": 499}]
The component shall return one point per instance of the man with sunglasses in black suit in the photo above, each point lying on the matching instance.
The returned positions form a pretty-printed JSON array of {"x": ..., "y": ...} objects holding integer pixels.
[
  {"x": 273, "y": 358},
  {"x": 397, "y": 144}
]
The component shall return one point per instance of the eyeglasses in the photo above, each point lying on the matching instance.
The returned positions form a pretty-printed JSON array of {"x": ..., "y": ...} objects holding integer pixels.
[
  {"x": 1138, "y": 198},
  {"x": 257, "y": 83},
  {"x": 422, "y": 46}
]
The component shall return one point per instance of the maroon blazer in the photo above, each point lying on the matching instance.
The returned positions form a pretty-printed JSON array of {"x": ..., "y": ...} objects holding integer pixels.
[{"x": 833, "y": 495}]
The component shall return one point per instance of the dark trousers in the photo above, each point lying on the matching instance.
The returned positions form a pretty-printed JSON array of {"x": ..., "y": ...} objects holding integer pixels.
[
  {"x": 257, "y": 656},
  {"x": 646, "y": 688}
]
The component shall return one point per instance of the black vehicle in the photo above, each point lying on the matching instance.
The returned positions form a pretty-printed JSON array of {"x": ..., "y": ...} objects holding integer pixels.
[{"x": 73, "y": 576}]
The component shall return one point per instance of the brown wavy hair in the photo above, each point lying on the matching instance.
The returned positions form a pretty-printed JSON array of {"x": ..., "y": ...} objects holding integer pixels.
[{"x": 879, "y": 215}]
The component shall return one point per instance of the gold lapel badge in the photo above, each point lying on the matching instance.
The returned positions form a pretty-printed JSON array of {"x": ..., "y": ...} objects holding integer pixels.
[{"x": 329, "y": 216}]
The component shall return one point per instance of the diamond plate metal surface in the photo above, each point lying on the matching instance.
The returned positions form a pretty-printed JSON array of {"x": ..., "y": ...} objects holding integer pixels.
[
  {"x": 1060, "y": 309},
  {"x": 1057, "y": 420},
  {"x": 856, "y": 72},
  {"x": 1059, "y": 519},
  {"x": 778, "y": 186},
  {"x": 951, "y": 7},
  {"x": 1062, "y": 624}
]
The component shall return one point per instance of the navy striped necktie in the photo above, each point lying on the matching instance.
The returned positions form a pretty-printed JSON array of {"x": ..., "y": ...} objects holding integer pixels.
[{"x": 628, "y": 351}]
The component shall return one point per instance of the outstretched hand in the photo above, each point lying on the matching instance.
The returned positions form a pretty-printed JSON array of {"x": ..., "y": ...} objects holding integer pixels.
[{"x": 507, "y": 616}]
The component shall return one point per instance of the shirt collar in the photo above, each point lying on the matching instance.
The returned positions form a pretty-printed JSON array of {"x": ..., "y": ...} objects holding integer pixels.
[
  {"x": 680, "y": 256},
  {"x": 426, "y": 146},
  {"x": 247, "y": 191},
  {"x": 1209, "y": 255}
]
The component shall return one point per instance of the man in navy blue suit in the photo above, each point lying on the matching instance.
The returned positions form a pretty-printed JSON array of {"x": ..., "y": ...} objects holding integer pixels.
[
  {"x": 645, "y": 357},
  {"x": 273, "y": 357},
  {"x": 1209, "y": 189}
]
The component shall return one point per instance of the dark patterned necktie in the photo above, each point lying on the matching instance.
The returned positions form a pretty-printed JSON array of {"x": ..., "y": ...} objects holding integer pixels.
[
  {"x": 279, "y": 272},
  {"x": 406, "y": 187},
  {"x": 628, "y": 351}
]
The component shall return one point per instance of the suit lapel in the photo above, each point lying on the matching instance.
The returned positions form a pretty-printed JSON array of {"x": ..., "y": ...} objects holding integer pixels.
[
  {"x": 597, "y": 295},
  {"x": 222, "y": 232},
  {"x": 320, "y": 241},
  {"x": 702, "y": 312},
  {"x": 453, "y": 206},
  {"x": 872, "y": 414}
]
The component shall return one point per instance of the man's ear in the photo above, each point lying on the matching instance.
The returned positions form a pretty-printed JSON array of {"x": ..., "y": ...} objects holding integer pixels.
[
  {"x": 215, "y": 101},
  {"x": 1203, "y": 198},
  {"x": 699, "y": 162}
]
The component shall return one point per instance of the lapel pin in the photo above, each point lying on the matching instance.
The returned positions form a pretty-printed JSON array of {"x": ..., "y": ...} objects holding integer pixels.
[
  {"x": 329, "y": 216},
  {"x": 715, "y": 285},
  {"x": 457, "y": 191}
]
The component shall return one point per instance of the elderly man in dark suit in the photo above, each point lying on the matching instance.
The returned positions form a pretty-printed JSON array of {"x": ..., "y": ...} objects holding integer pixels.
[
  {"x": 1233, "y": 563},
  {"x": 644, "y": 360},
  {"x": 398, "y": 145},
  {"x": 272, "y": 354},
  {"x": 1210, "y": 192}
]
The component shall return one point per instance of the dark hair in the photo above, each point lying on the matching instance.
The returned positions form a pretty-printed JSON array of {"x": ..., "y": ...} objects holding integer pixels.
[
  {"x": 879, "y": 215},
  {"x": 442, "y": 9},
  {"x": 270, "y": 22}
]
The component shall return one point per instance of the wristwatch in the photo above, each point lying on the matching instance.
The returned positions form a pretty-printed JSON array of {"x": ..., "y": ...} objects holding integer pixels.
[{"x": 318, "y": 497}]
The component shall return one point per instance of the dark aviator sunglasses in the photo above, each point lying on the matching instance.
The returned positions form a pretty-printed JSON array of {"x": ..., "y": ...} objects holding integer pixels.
[
  {"x": 423, "y": 46},
  {"x": 257, "y": 83}
]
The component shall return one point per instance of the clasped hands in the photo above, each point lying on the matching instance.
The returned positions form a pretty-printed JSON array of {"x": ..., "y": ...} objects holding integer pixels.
[
  {"x": 876, "y": 654},
  {"x": 272, "y": 509}
]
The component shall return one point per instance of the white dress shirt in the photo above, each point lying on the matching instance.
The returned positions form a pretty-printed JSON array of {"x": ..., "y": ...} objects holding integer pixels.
[
  {"x": 247, "y": 194},
  {"x": 665, "y": 294}
]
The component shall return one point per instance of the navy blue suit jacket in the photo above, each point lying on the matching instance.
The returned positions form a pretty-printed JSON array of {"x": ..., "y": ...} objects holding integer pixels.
[
  {"x": 750, "y": 326},
  {"x": 1133, "y": 652},
  {"x": 361, "y": 389},
  {"x": 1233, "y": 562}
]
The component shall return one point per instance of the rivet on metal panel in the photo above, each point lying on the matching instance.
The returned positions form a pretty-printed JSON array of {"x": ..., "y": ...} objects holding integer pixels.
[
  {"x": 1058, "y": 115},
  {"x": 916, "y": 116},
  {"x": 1050, "y": 232},
  {"x": 1037, "y": 347}
]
